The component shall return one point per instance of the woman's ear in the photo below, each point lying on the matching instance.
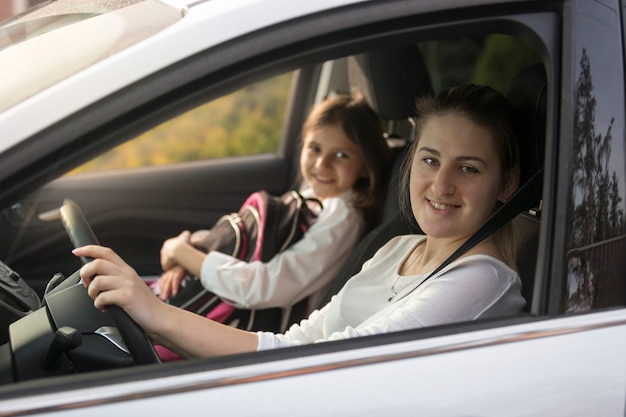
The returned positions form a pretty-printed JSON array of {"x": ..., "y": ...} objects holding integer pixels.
[{"x": 511, "y": 183}]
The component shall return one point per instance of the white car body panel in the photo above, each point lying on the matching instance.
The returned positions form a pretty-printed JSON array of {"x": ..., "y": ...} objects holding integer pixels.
[
  {"x": 203, "y": 26},
  {"x": 454, "y": 375}
]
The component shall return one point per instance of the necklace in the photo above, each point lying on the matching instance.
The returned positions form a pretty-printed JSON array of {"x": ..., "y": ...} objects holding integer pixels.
[{"x": 394, "y": 292}]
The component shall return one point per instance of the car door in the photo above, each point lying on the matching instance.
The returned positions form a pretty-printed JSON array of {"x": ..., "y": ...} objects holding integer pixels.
[{"x": 562, "y": 358}]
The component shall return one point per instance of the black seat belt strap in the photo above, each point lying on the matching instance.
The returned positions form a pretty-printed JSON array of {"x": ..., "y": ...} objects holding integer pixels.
[{"x": 522, "y": 200}]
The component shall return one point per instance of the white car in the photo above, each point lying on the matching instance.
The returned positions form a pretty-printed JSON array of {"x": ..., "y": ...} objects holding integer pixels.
[{"x": 80, "y": 78}]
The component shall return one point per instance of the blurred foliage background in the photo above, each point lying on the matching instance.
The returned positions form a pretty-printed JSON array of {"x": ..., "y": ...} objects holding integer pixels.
[
  {"x": 249, "y": 121},
  {"x": 245, "y": 122}
]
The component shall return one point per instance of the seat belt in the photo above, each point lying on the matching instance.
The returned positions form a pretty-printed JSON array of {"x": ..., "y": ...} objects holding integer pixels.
[{"x": 523, "y": 199}]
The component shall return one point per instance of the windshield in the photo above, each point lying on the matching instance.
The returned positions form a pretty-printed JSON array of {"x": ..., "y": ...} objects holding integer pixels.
[{"x": 49, "y": 43}]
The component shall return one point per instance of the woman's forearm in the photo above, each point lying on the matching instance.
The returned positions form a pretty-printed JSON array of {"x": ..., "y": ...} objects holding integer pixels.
[
  {"x": 110, "y": 280},
  {"x": 195, "y": 336}
]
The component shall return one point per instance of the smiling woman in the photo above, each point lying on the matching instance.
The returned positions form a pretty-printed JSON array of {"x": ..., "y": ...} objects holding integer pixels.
[
  {"x": 455, "y": 179},
  {"x": 465, "y": 163}
]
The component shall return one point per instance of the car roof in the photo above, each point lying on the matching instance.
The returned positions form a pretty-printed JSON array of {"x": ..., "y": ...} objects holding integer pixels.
[{"x": 202, "y": 25}]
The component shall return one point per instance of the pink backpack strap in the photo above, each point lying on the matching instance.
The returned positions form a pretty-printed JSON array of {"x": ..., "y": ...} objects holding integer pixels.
[
  {"x": 257, "y": 200},
  {"x": 221, "y": 312}
]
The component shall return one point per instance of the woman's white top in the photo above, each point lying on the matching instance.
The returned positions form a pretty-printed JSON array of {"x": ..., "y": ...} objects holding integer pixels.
[{"x": 472, "y": 287}]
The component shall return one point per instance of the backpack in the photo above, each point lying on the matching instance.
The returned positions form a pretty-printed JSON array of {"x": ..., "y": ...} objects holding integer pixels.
[{"x": 264, "y": 226}]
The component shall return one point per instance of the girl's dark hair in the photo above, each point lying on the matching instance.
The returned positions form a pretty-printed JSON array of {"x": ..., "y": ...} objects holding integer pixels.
[
  {"x": 482, "y": 105},
  {"x": 362, "y": 125}
]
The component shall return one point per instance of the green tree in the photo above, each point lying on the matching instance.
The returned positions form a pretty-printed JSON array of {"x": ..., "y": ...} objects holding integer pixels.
[{"x": 593, "y": 182}]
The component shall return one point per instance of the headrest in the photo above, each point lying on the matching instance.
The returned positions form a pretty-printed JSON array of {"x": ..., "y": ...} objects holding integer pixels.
[
  {"x": 391, "y": 80},
  {"x": 527, "y": 93}
]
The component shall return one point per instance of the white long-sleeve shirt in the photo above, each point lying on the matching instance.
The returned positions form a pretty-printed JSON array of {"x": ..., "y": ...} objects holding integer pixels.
[
  {"x": 476, "y": 286},
  {"x": 304, "y": 269}
]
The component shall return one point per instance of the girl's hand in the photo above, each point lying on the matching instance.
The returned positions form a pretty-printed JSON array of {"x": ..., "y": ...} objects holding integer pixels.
[
  {"x": 170, "y": 281},
  {"x": 170, "y": 248},
  {"x": 110, "y": 280}
]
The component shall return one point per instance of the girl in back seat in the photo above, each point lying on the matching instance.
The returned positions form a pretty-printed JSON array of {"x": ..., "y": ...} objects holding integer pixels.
[
  {"x": 344, "y": 163},
  {"x": 462, "y": 165}
]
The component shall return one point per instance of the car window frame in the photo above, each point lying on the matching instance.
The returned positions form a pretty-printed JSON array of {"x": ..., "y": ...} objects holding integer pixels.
[{"x": 232, "y": 72}]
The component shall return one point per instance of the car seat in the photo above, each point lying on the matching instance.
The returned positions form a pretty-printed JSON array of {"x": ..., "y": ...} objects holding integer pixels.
[{"x": 391, "y": 80}]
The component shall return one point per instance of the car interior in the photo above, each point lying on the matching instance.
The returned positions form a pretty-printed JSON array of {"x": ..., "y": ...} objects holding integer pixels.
[{"x": 390, "y": 78}]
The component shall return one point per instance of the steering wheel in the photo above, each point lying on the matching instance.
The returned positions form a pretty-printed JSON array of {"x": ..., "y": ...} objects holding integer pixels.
[{"x": 81, "y": 234}]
